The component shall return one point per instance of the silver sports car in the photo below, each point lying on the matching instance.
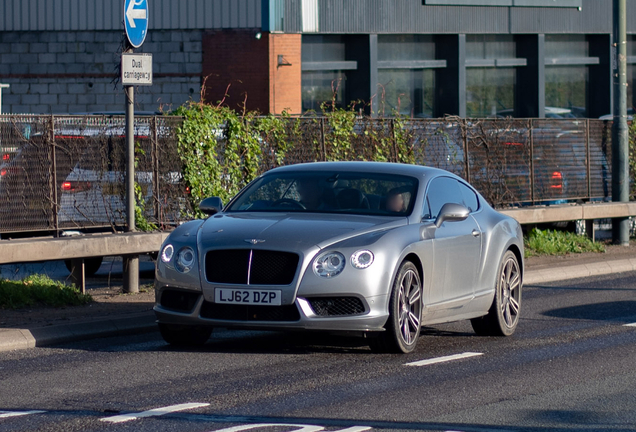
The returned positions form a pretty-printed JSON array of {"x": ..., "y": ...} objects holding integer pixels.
[{"x": 375, "y": 249}]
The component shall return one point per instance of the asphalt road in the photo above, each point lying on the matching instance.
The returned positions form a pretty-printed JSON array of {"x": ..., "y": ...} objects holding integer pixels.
[{"x": 570, "y": 366}]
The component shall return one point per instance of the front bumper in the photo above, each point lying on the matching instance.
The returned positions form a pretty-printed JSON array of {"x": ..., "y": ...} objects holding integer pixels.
[{"x": 297, "y": 316}]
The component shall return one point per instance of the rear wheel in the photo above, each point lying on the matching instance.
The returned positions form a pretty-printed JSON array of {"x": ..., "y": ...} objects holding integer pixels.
[
  {"x": 185, "y": 335},
  {"x": 405, "y": 313},
  {"x": 503, "y": 316},
  {"x": 91, "y": 265}
]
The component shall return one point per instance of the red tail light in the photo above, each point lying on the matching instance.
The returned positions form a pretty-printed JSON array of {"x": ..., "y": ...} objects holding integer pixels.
[
  {"x": 76, "y": 186},
  {"x": 557, "y": 180},
  {"x": 6, "y": 157},
  {"x": 3, "y": 171},
  {"x": 513, "y": 144}
]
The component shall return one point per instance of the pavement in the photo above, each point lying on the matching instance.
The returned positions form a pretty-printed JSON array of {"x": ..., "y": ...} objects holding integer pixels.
[{"x": 137, "y": 318}]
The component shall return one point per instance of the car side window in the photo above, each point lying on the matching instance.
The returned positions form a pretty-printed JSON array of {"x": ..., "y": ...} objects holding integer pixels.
[
  {"x": 470, "y": 198},
  {"x": 441, "y": 190}
]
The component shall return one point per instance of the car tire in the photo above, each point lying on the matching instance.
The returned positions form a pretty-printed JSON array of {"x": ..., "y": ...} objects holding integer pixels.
[
  {"x": 185, "y": 335},
  {"x": 503, "y": 316},
  {"x": 405, "y": 313},
  {"x": 91, "y": 265}
]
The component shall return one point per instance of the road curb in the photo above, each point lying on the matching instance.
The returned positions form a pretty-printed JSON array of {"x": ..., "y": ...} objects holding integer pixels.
[
  {"x": 554, "y": 274},
  {"x": 15, "y": 339}
]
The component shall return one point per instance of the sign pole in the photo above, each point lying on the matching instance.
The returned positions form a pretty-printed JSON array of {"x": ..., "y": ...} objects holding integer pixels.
[
  {"x": 136, "y": 25},
  {"x": 131, "y": 262}
]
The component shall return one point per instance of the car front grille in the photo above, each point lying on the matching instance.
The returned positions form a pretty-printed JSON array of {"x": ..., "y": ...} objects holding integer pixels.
[
  {"x": 336, "y": 306},
  {"x": 250, "y": 267},
  {"x": 230, "y": 312},
  {"x": 180, "y": 301}
]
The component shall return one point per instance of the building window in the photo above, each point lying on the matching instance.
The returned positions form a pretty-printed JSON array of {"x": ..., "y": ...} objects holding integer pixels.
[
  {"x": 324, "y": 67},
  {"x": 567, "y": 75},
  {"x": 320, "y": 87},
  {"x": 406, "y": 75},
  {"x": 491, "y": 75}
]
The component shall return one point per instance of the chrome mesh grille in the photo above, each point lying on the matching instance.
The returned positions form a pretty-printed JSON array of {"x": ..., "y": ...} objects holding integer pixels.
[
  {"x": 262, "y": 267},
  {"x": 231, "y": 312},
  {"x": 336, "y": 306}
]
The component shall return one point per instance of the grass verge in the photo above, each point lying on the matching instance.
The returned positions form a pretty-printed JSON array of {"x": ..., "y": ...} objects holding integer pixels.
[
  {"x": 39, "y": 290},
  {"x": 551, "y": 242}
]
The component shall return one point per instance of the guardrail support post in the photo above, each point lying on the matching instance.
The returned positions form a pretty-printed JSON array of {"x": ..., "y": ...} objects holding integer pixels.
[
  {"x": 131, "y": 273},
  {"x": 78, "y": 274}
]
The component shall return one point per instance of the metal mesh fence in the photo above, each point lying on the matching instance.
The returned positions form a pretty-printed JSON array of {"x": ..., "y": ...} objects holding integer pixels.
[{"x": 68, "y": 172}]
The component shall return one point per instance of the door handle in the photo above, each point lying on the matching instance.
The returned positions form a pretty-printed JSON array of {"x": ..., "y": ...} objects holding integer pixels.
[{"x": 476, "y": 233}]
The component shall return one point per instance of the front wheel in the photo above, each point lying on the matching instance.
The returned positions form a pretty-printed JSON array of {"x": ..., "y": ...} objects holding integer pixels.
[
  {"x": 405, "y": 313},
  {"x": 503, "y": 316},
  {"x": 185, "y": 335}
]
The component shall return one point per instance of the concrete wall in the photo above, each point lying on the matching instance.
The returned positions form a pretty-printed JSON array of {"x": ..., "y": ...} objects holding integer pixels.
[{"x": 76, "y": 72}]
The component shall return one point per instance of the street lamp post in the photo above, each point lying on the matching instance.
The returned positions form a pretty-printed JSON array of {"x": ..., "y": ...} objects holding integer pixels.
[{"x": 620, "y": 150}]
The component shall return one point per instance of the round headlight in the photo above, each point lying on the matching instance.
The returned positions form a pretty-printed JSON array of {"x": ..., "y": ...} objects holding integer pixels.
[
  {"x": 185, "y": 259},
  {"x": 329, "y": 264},
  {"x": 362, "y": 259},
  {"x": 167, "y": 253}
]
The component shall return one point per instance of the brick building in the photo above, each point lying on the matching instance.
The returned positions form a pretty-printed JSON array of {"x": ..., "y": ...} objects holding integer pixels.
[{"x": 425, "y": 58}]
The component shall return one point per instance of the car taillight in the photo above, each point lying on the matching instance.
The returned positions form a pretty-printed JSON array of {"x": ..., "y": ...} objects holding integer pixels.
[
  {"x": 3, "y": 171},
  {"x": 6, "y": 157},
  {"x": 76, "y": 186},
  {"x": 557, "y": 180}
]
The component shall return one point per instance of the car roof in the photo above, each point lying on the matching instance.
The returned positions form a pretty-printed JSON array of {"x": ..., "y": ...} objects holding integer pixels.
[{"x": 359, "y": 166}]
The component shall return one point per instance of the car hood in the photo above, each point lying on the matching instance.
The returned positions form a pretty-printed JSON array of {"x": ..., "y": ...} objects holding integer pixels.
[{"x": 285, "y": 231}]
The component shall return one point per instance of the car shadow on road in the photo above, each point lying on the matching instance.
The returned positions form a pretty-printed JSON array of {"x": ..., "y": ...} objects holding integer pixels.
[
  {"x": 271, "y": 342},
  {"x": 615, "y": 311}
]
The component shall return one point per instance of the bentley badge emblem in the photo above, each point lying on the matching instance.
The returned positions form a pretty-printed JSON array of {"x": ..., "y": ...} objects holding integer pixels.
[{"x": 254, "y": 241}]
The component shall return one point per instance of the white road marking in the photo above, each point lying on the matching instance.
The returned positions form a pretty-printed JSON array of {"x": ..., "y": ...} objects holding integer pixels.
[
  {"x": 301, "y": 428},
  {"x": 4, "y": 414},
  {"x": 443, "y": 359},
  {"x": 630, "y": 325},
  {"x": 153, "y": 412}
]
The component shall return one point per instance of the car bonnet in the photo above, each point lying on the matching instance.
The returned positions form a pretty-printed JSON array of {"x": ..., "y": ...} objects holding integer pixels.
[{"x": 284, "y": 231}]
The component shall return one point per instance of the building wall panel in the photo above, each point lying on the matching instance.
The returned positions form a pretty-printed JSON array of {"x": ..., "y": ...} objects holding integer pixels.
[{"x": 65, "y": 15}]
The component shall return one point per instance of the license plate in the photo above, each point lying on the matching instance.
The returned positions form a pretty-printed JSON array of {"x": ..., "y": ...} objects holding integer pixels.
[{"x": 251, "y": 297}]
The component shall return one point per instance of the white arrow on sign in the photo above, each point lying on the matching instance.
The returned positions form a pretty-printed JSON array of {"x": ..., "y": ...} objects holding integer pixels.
[{"x": 132, "y": 14}]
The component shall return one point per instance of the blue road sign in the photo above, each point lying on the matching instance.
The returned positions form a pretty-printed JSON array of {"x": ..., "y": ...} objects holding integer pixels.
[{"x": 136, "y": 21}]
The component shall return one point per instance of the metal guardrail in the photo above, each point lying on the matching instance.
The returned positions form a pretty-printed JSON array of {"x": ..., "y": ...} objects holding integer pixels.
[{"x": 67, "y": 172}]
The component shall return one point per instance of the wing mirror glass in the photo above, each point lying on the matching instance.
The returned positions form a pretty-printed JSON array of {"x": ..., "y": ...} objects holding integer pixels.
[
  {"x": 211, "y": 206},
  {"x": 451, "y": 212}
]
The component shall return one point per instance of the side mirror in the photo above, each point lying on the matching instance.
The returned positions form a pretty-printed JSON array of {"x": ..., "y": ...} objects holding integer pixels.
[
  {"x": 451, "y": 212},
  {"x": 211, "y": 206}
]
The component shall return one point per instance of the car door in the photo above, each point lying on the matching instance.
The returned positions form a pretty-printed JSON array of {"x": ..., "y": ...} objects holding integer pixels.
[{"x": 456, "y": 245}]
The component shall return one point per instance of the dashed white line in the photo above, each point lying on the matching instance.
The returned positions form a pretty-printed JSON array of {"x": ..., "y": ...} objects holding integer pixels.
[
  {"x": 4, "y": 414},
  {"x": 153, "y": 412},
  {"x": 301, "y": 428},
  {"x": 443, "y": 359}
]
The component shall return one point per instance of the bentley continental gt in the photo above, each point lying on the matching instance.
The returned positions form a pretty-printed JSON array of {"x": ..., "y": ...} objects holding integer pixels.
[{"x": 366, "y": 248}]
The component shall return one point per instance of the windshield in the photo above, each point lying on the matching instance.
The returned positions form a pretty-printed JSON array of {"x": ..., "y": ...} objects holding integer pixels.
[{"x": 329, "y": 192}]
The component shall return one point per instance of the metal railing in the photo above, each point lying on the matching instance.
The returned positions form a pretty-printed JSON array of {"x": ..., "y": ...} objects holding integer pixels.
[{"x": 67, "y": 172}]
